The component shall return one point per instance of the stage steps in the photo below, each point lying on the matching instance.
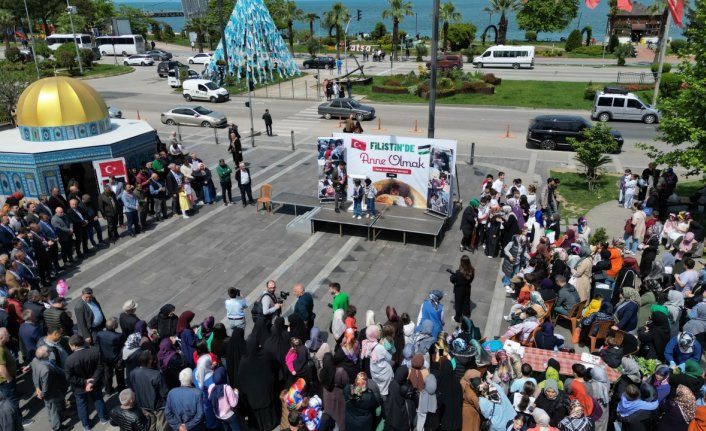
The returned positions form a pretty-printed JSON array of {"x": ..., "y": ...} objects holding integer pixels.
[{"x": 302, "y": 222}]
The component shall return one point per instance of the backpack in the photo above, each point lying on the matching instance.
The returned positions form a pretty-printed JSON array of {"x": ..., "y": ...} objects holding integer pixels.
[
  {"x": 257, "y": 310},
  {"x": 629, "y": 228}
]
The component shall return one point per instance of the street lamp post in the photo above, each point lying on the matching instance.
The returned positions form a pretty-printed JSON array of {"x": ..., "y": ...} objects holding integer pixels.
[
  {"x": 71, "y": 10},
  {"x": 31, "y": 34},
  {"x": 345, "y": 45},
  {"x": 223, "y": 34},
  {"x": 432, "y": 72}
]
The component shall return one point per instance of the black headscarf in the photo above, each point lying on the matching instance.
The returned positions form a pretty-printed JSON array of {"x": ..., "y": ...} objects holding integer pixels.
[
  {"x": 256, "y": 375},
  {"x": 260, "y": 332},
  {"x": 278, "y": 342},
  {"x": 397, "y": 409},
  {"x": 328, "y": 372},
  {"x": 449, "y": 396},
  {"x": 297, "y": 327},
  {"x": 235, "y": 350}
]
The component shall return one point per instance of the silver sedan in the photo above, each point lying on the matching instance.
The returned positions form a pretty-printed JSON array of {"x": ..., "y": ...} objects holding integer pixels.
[{"x": 194, "y": 116}]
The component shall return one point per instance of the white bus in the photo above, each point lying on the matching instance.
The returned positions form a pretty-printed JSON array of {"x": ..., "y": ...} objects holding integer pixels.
[
  {"x": 54, "y": 41},
  {"x": 506, "y": 55},
  {"x": 129, "y": 44}
]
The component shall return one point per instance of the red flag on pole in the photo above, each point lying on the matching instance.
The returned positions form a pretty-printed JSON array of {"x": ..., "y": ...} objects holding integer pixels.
[
  {"x": 591, "y": 4},
  {"x": 112, "y": 168},
  {"x": 625, "y": 5},
  {"x": 676, "y": 8}
]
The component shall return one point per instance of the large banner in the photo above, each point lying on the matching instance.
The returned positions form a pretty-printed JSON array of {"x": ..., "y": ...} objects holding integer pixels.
[{"x": 409, "y": 172}]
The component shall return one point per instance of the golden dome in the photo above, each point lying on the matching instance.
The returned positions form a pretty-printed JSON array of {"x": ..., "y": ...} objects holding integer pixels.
[{"x": 60, "y": 101}]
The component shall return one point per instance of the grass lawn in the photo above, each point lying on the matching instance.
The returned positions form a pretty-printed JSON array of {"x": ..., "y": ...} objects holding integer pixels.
[
  {"x": 107, "y": 70},
  {"x": 527, "y": 94},
  {"x": 688, "y": 188},
  {"x": 241, "y": 87},
  {"x": 578, "y": 199}
]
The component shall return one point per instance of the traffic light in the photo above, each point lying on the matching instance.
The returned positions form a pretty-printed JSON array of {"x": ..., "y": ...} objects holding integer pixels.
[{"x": 360, "y": 14}]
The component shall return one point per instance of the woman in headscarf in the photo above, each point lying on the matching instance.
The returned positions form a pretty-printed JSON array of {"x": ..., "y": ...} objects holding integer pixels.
[
  {"x": 297, "y": 327},
  {"x": 631, "y": 375},
  {"x": 170, "y": 362},
  {"x": 537, "y": 303},
  {"x": 235, "y": 350},
  {"x": 503, "y": 371},
  {"x": 511, "y": 226},
  {"x": 378, "y": 358},
  {"x": 579, "y": 393},
  {"x": 256, "y": 375},
  {"x": 577, "y": 420},
  {"x": 541, "y": 419},
  {"x": 647, "y": 300},
  {"x": 493, "y": 231},
  {"x": 223, "y": 400},
  {"x": 135, "y": 344},
  {"x": 347, "y": 354},
  {"x": 394, "y": 321},
  {"x": 450, "y": 397},
  {"x": 566, "y": 240},
  {"x": 675, "y": 304},
  {"x": 369, "y": 321},
  {"x": 495, "y": 406},
  {"x": 423, "y": 338},
  {"x": 553, "y": 401},
  {"x": 427, "y": 408},
  {"x": 679, "y": 411},
  {"x": 654, "y": 337},
  {"x": 219, "y": 341},
  {"x": 546, "y": 339},
  {"x": 471, "y": 404},
  {"x": 277, "y": 345},
  {"x": 203, "y": 373},
  {"x": 398, "y": 408},
  {"x": 649, "y": 253},
  {"x": 432, "y": 310},
  {"x": 600, "y": 388},
  {"x": 334, "y": 403},
  {"x": 692, "y": 378},
  {"x": 583, "y": 273},
  {"x": 205, "y": 331},
  {"x": 166, "y": 321},
  {"x": 360, "y": 405},
  {"x": 552, "y": 373},
  {"x": 187, "y": 337},
  {"x": 338, "y": 326},
  {"x": 417, "y": 372},
  {"x": 659, "y": 380},
  {"x": 626, "y": 310}
]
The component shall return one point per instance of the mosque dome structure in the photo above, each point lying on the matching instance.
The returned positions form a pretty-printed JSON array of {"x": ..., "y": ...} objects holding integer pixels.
[{"x": 59, "y": 109}]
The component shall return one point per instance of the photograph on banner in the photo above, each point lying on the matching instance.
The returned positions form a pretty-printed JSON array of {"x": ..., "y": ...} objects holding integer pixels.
[
  {"x": 398, "y": 166},
  {"x": 441, "y": 176},
  {"x": 330, "y": 152}
]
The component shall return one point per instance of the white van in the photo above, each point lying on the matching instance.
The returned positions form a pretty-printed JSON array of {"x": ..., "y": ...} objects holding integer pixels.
[
  {"x": 203, "y": 89},
  {"x": 506, "y": 55},
  {"x": 173, "y": 77}
]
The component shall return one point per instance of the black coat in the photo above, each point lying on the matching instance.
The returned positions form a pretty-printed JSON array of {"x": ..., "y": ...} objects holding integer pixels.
[
  {"x": 556, "y": 408},
  {"x": 399, "y": 408},
  {"x": 110, "y": 345},
  {"x": 468, "y": 219},
  {"x": 57, "y": 201},
  {"x": 84, "y": 318},
  {"x": 82, "y": 365},
  {"x": 172, "y": 185},
  {"x": 360, "y": 413}
]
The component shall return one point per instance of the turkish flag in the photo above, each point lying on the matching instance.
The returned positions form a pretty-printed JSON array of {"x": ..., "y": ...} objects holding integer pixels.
[
  {"x": 625, "y": 5},
  {"x": 358, "y": 145},
  {"x": 112, "y": 168},
  {"x": 676, "y": 8},
  {"x": 591, "y": 4}
]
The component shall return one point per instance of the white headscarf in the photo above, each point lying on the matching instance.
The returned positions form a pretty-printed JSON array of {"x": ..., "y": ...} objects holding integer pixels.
[{"x": 338, "y": 326}]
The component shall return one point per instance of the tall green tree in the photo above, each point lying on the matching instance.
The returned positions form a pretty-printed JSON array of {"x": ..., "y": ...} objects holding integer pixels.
[
  {"x": 7, "y": 20},
  {"x": 95, "y": 13},
  {"x": 292, "y": 13},
  {"x": 592, "y": 151},
  {"x": 310, "y": 18},
  {"x": 200, "y": 26},
  {"x": 448, "y": 15},
  {"x": 503, "y": 7},
  {"x": 682, "y": 126},
  {"x": 336, "y": 18},
  {"x": 397, "y": 10},
  {"x": 547, "y": 15},
  {"x": 139, "y": 23},
  {"x": 461, "y": 35}
]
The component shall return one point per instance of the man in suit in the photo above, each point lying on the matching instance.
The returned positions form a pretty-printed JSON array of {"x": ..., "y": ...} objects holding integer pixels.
[
  {"x": 110, "y": 344},
  {"x": 7, "y": 234},
  {"x": 49, "y": 234},
  {"x": 89, "y": 315},
  {"x": 31, "y": 216},
  {"x": 86, "y": 207},
  {"x": 158, "y": 191},
  {"x": 41, "y": 252},
  {"x": 174, "y": 179},
  {"x": 26, "y": 269},
  {"x": 117, "y": 188},
  {"x": 108, "y": 207},
  {"x": 43, "y": 207},
  {"x": 244, "y": 179},
  {"x": 50, "y": 386},
  {"x": 62, "y": 226},
  {"x": 84, "y": 372},
  {"x": 56, "y": 200},
  {"x": 79, "y": 222}
]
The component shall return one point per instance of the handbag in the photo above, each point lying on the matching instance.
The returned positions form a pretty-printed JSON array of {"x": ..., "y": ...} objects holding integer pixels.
[{"x": 629, "y": 228}]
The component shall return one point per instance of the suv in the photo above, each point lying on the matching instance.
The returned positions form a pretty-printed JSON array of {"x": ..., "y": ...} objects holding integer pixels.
[
  {"x": 549, "y": 132},
  {"x": 165, "y": 66},
  {"x": 446, "y": 62},
  {"x": 320, "y": 63},
  {"x": 615, "y": 103}
]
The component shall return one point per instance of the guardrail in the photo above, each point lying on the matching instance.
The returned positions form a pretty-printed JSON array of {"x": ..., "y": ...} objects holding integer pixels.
[{"x": 635, "y": 78}]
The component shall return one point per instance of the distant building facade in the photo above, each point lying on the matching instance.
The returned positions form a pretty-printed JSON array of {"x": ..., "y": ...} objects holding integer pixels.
[{"x": 641, "y": 22}]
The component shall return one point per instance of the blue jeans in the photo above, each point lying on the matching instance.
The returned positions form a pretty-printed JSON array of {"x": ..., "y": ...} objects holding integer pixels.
[
  {"x": 630, "y": 242},
  {"x": 131, "y": 222},
  {"x": 506, "y": 279},
  {"x": 231, "y": 424},
  {"x": 370, "y": 202},
  {"x": 10, "y": 393},
  {"x": 82, "y": 405},
  {"x": 357, "y": 207}
]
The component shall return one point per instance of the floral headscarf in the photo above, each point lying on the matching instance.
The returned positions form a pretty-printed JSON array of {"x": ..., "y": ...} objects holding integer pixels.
[
  {"x": 360, "y": 385},
  {"x": 686, "y": 402}
]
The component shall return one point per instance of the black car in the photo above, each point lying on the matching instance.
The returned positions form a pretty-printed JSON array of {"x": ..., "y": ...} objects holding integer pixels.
[
  {"x": 320, "y": 63},
  {"x": 550, "y": 132},
  {"x": 165, "y": 66},
  {"x": 159, "y": 55}
]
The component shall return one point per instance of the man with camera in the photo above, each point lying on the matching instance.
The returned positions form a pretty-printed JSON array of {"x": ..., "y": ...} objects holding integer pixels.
[{"x": 271, "y": 306}]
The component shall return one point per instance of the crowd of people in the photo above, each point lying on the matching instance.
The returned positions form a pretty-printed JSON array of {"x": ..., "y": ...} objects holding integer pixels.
[{"x": 337, "y": 370}]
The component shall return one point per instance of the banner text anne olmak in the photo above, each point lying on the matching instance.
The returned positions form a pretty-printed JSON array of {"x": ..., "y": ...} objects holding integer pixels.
[{"x": 392, "y": 160}]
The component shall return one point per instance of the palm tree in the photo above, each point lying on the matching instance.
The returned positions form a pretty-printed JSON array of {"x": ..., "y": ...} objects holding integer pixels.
[
  {"x": 336, "y": 18},
  {"x": 502, "y": 7},
  {"x": 447, "y": 15},
  {"x": 291, "y": 13},
  {"x": 7, "y": 20},
  {"x": 397, "y": 10},
  {"x": 310, "y": 18},
  {"x": 199, "y": 26}
]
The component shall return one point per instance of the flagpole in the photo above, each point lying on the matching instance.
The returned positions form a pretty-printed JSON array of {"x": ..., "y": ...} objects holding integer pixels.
[{"x": 662, "y": 51}]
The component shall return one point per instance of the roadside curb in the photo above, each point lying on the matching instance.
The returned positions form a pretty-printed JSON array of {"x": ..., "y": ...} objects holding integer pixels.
[{"x": 106, "y": 75}]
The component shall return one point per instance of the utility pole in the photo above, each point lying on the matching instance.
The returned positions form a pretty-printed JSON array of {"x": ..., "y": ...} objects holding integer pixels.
[
  {"x": 662, "y": 51},
  {"x": 223, "y": 34},
  {"x": 31, "y": 34},
  {"x": 71, "y": 10},
  {"x": 345, "y": 45},
  {"x": 432, "y": 73}
]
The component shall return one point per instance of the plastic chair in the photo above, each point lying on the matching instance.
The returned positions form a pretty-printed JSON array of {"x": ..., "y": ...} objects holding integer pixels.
[
  {"x": 265, "y": 198},
  {"x": 572, "y": 316},
  {"x": 602, "y": 328},
  {"x": 530, "y": 340},
  {"x": 550, "y": 306}
]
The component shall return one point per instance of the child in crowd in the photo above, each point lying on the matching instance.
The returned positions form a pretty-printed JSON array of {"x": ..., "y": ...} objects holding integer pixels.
[
  {"x": 185, "y": 200},
  {"x": 291, "y": 355},
  {"x": 621, "y": 186},
  {"x": 358, "y": 193},
  {"x": 629, "y": 190},
  {"x": 370, "y": 193},
  {"x": 350, "y": 321}
]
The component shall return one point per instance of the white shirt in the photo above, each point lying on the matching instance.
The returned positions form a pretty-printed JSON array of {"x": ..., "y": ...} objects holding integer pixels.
[
  {"x": 244, "y": 177},
  {"x": 498, "y": 186}
]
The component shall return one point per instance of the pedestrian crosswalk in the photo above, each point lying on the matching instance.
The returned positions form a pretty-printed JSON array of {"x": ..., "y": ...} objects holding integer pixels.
[{"x": 304, "y": 122}]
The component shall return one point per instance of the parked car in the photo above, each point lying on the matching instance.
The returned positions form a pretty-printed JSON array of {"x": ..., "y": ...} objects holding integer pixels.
[
  {"x": 343, "y": 107},
  {"x": 320, "y": 63},
  {"x": 138, "y": 60},
  {"x": 115, "y": 112},
  {"x": 202, "y": 58},
  {"x": 164, "y": 67},
  {"x": 195, "y": 116},
  {"x": 446, "y": 62},
  {"x": 174, "y": 79},
  {"x": 550, "y": 132},
  {"x": 616, "y": 103},
  {"x": 160, "y": 55}
]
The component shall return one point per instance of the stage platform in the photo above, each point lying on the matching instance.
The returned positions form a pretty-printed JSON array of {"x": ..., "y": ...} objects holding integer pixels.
[{"x": 389, "y": 218}]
